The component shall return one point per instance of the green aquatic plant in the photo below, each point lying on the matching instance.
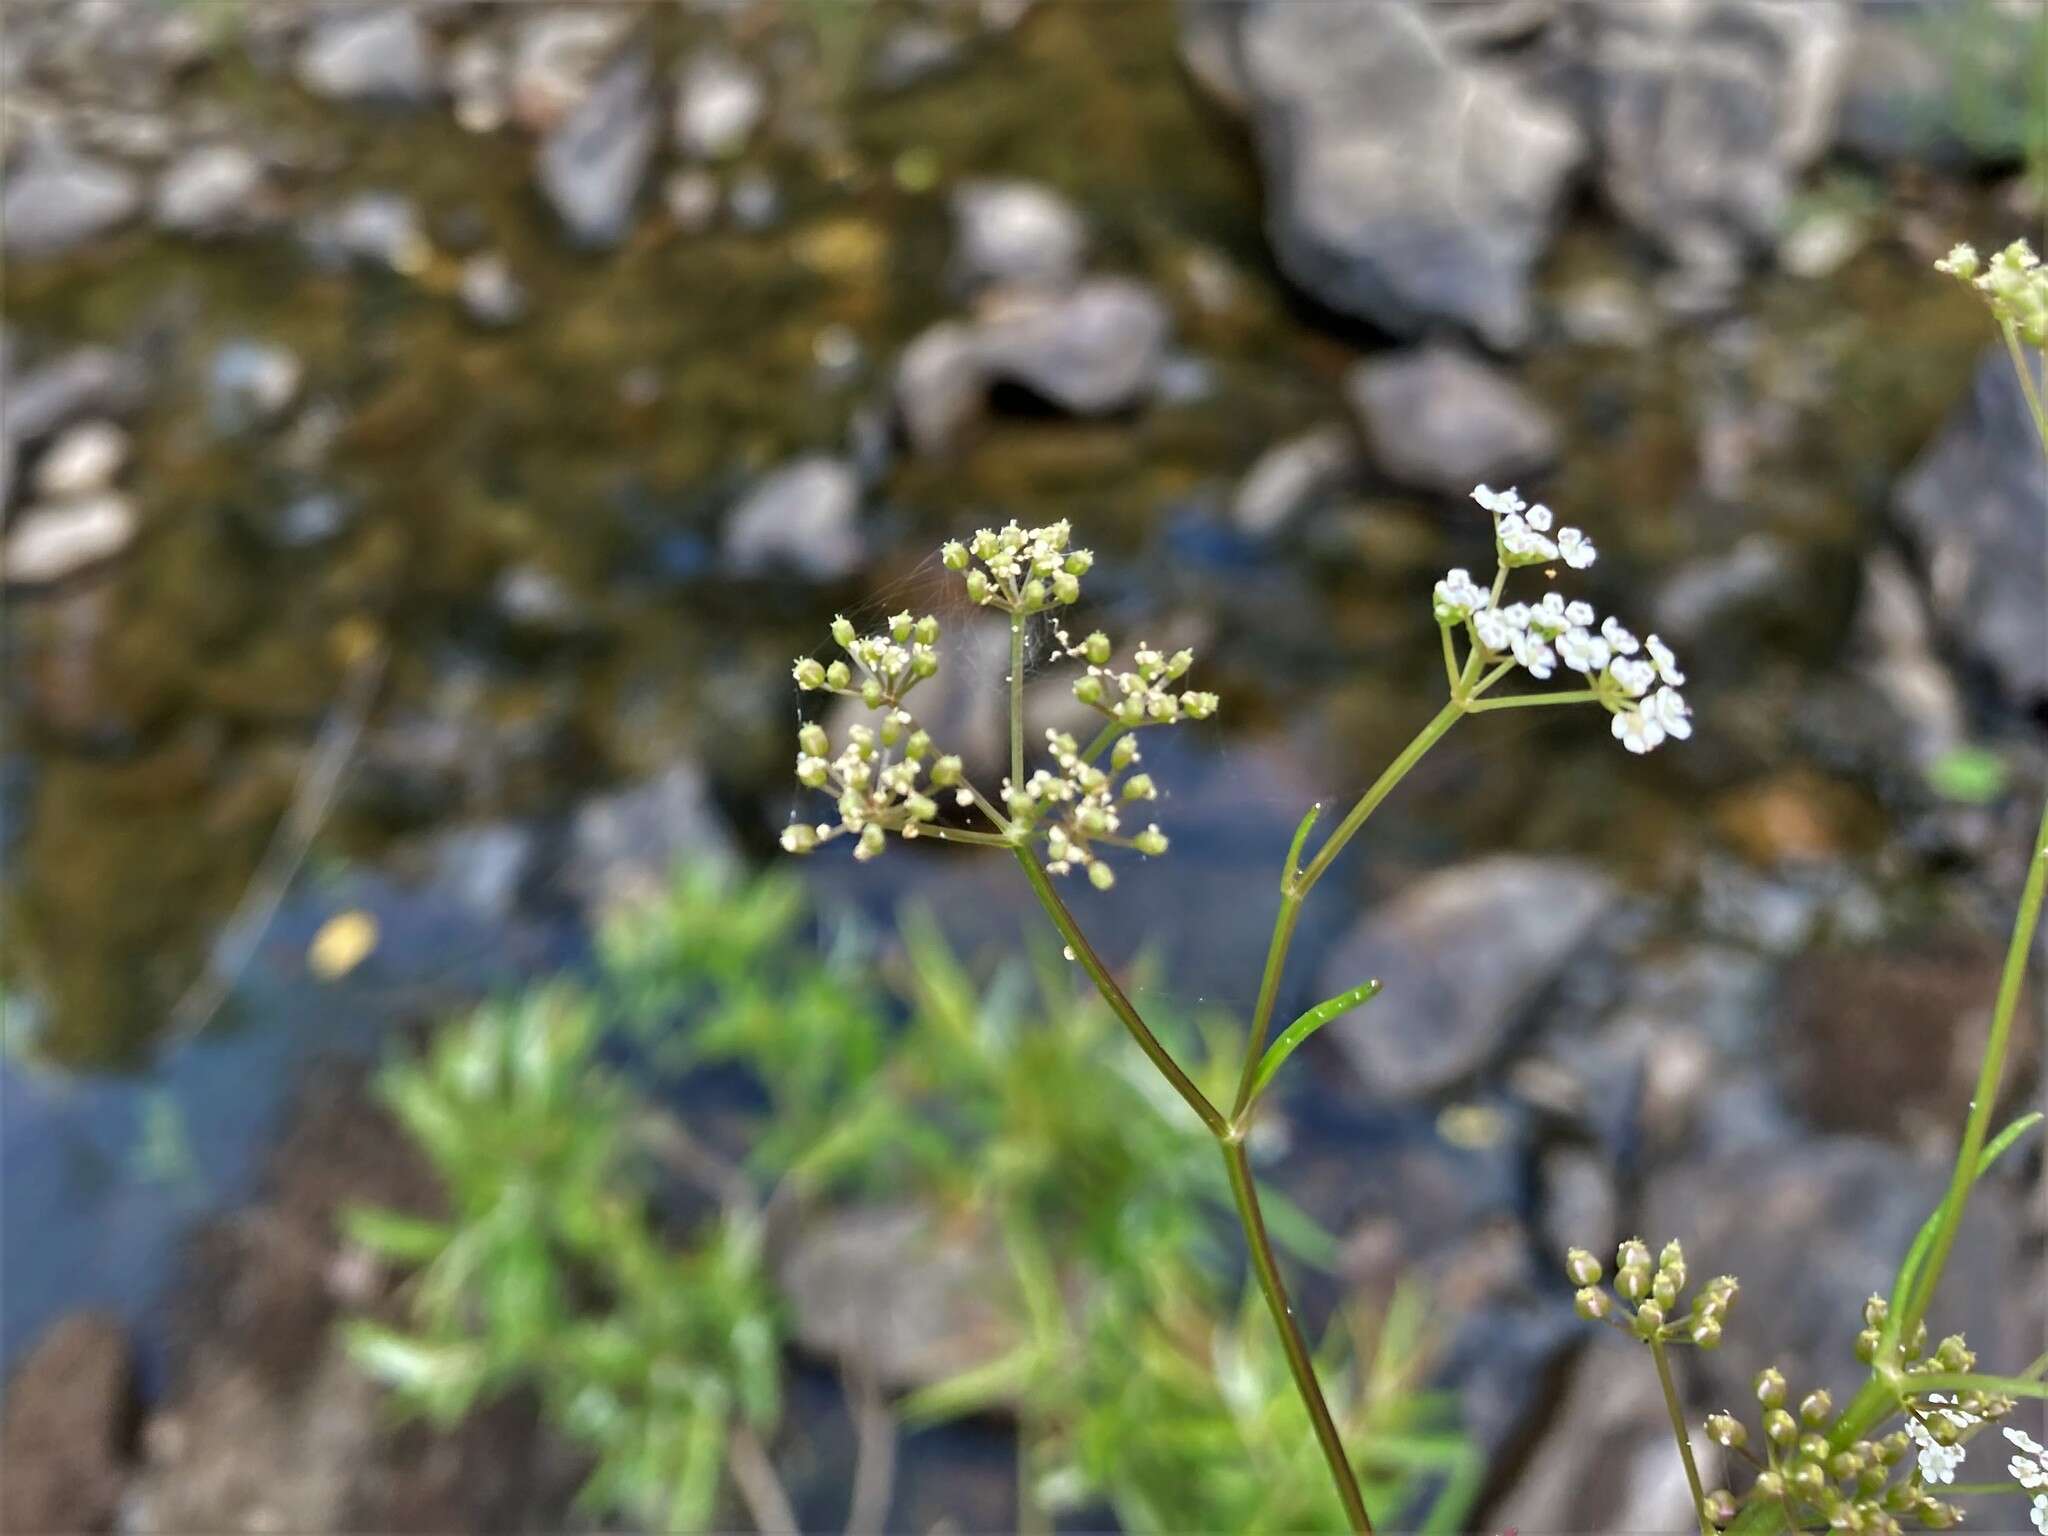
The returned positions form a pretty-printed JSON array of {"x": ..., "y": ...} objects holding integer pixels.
[
  {"x": 1008, "y": 1106},
  {"x": 1891, "y": 1454},
  {"x": 1081, "y": 805}
]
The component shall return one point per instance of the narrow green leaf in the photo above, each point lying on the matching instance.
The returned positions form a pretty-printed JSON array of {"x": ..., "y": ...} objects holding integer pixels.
[
  {"x": 1909, "y": 1272},
  {"x": 1291, "y": 1037},
  {"x": 392, "y": 1235}
]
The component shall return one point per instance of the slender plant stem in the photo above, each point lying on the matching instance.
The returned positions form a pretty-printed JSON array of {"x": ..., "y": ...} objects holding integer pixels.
[
  {"x": 2017, "y": 954},
  {"x": 2018, "y": 355},
  {"x": 1267, "y": 1269},
  {"x": 1383, "y": 786},
  {"x": 1532, "y": 700},
  {"x": 1160, "y": 1057},
  {"x": 963, "y": 835},
  {"x": 1269, "y": 991},
  {"x": 1016, "y": 701},
  {"x": 1684, "y": 1437}
]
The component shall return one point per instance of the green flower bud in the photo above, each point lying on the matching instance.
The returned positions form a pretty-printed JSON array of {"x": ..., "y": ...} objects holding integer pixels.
[
  {"x": 798, "y": 838},
  {"x": 1673, "y": 1256},
  {"x": 811, "y": 772},
  {"x": 842, "y": 631},
  {"x": 1101, "y": 876},
  {"x": 1581, "y": 1268},
  {"x": 1954, "y": 1354},
  {"x": 812, "y": 738},
  {"x": 1770, "y": 1485},
  {"x": 1131, "y": 711},
  {"x": 953, "y": 555},
  {"x": 1664, "y": 1290},
  {"x": 1866, "y": 1345},
  {"x": 838, "y": 675},
  {"x": 1033, "y": 596},
  {"x": 1139, "y": 787},
  {"x": 1770, "y": 1387},
  {"x": 1891, "y": 1450},
  {"x": 1065, "y": 589},
  {"x": 1593, "y": 1304},
  {"x": 923, "y": 664},
  {"x": 1088, "y": 689},
  {"x": 872, "y": 841},
  {"x": 1706, "y": 1333},
  {"x": 1079, "y": 561},
  {"x": 927, "y": 631},
  {"x": 871, "y": 693},
  {"x": 1875, "y": 1311},
  {"x": 1124, "y": 753},
  {"x": 1632, "y": 1281},
  {"x": 1633, "y": 1254},
  {"x": 1720, "y": 1507},
  {"x": 1727, "y": 1431},
  {"x": 920, "y": 743},
  {"x": 1779, "y": 1428},
  {"x": 809, "y": 673},
  {"x": 921, "y": 807},
  {"x": 1200, "y": 706},
  {"x": 1814, "y": 1448},
  {"x": 1808, "y": 1481},
  {"x": 977, "y": 587},
  {"x": 1151, "y": 842},
  {"x": 1095, "y": 649},
  {"x": 1649, "y": 1318},
  {"x": 946, "y": 772},
  {"x": 1816, "y": 1406},
  {"x": 900, "y": 625},
  {"x": 1844, "y": 1465}
]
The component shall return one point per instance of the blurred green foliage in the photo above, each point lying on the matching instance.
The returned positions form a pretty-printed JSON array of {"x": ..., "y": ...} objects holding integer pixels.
[{"x": 1143, "y": 1377}]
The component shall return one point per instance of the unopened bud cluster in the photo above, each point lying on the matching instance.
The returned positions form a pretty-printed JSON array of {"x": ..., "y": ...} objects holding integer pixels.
[
  {"x": 1644, "y": 1299},
  {"x": 887, "y": 776},
  {"x": 1020, "y": 570},
  {"x": 2013, "y": 285}
]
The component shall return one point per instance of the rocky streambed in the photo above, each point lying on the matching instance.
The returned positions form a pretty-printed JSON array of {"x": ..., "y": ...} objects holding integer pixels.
[{"x": 430, "y": 429}]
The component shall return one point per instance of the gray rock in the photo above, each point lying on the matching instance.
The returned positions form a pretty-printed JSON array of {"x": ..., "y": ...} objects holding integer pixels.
[
  {"x": 1471, "y": 25},
  {"x": 626, "y": 846},
  {"x": 490, "y": 294},
  {"x": 1705, "y": 112},
  {"x": 1440, "y": 420},
  {"x": 719, "y": 105},
  {"x": 1715, "y": 593},
  {"x": 756, "y": 201},
  {"x": 803, "y": 517},
  {"x": 1972, "y": 507},
  {"x": 479, "y": 83},
  {"x": 50, "y": 542},
  {"x": 1090, "y": 352},
  {"x": 483, "y": 868},
  {"x": 912, "y": 54},
  {"x": 250, "y": 384},
  {"x": 1606, "y": 312},
  {"x": 940, "y": 387},
  {"x": 1404, "y": 185},
  {"x": 910, "y": 1300},
  {"x": 1460, "y": 956},
  {"x": 1893, "y": 643},
  {"x": 89, "y": 381},
  {"x": 1015, "y": 232},
  {"x": 59, "y": 200},
  {"x": 83, "y": 461},
  {"x": 557, "y": 57},
  {"x": 691, "y": 198},
  {"x": 212, "y": 190},
  {"x": 66, "y": 1435},
  {"x": 592, "y": 165},
  {"x": 533, "y": 598},
  {"x": 311, "y": 519},
  {"x": 374, "y": 229},
  {"x": 369, "y": 55},
  {"x": 1291, "y": 476}
]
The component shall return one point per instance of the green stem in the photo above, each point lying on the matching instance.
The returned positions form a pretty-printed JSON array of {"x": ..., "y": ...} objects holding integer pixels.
[
  {"x": 1292, "y": 1343},
  {"x": 1383, "y": 786},
  {"x": 1160, "y": 1057},
  {"x": 963, "y": 835},
  {"x": 1276, "y": 962},
  {"x": 1103, "y": 738},
  {"x": 2014, "y": 351},
  {"x": 2017, "y": 954},
  {"x": 1671, "y": 1406},
  {"x": 1016, "y": 701},
  {"x": 1531, "y": 700}
]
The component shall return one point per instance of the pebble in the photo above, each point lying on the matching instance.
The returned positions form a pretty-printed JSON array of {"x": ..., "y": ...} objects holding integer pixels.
[
  {"x": 209, "y": 190},
  {"x": 490, "y": 294},
  {"x": 720, "y": 104},
  {"x": 84, "y": 460},
  {"x": 249, "y": 384},
  {"x": 47, "y": 543}
]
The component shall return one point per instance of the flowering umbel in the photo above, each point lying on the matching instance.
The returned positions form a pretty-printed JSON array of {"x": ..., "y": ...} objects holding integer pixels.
[
  {"x": 887, "y": 776},
  {"x": 1637, "y": 681},
  {"x": 2013, "y": 285}
]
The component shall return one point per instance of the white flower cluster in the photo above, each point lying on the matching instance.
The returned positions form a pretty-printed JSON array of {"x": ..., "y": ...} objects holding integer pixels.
[
  {"x": 891, "y": 663},
  {"x": 1020, "y": 570},
  {"x": 877, "y": 792},
  {"x": 1522, "y": 532},
  {"x": 1143, "y": 696},
  {"x": 2029, "y": 1468},
  {"x": 2014, "y": 284},
  {"x": 1938, "y": 1462},
  {"x": 1639, "y": 690},
  {"x": 1082, "y": 805}
]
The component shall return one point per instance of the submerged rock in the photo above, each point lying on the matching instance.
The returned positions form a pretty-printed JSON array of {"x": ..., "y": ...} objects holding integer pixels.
[
  {"x": 250, "y": 384},
  {"x": 378, "y": 229},
  {"x": 1972, "y": 507},
  {"x": 803, "y": 517},
  {"x": 1405, "y": 186},
  {"x": 360, "y": 54},
  {"x": 1090, "y": 352},
  {"x": 55, "y": 540},
  {"x": 1289, "y": 476},
  {"x": 719, "y": 105},
  {"x": 212, "y": 190},
  {"x": 490, "y": 294},
  {"x": 625, "y": 846},
  {"x": 940, "y": 386},
  {"x": 1705, "y": 113},
  {"x": 1440, "y": 420},
  {"x": 84, "y": 460},
  {"x": 1460, "y": 956},
  {"x": 66, "y": 1438},
  {"x": 591, "y": 166},
  {"x": 1015, "y": 232},
  {"x": 59, "y": 200},
  {"x": 556, "y": 59}
]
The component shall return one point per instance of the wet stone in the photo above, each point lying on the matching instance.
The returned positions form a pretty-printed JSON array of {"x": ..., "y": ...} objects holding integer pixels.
[
  {"x": 556, "y": 59},
  {"x": 756, "y": 201},
  {"x": 366, "y": 55},
  {"x": 803, "y": 517},
  {"x": 1440, "y": 420},
  {"x": 490, "y": 294},
  {"x": 1290, "y": 477},
  {"x": 940, "y": 387},
  {"x": 59, "y": 200},
  {"x": 691, "y": 198},
  {"x": 86, "y": 382},
  {"x": 1015, "y": 232},
  {"x": 47, "y": 543},
  {"x": 65, "y": 1439},
  {"x": 912, "y": 54},
  {"x": 209, "y": 191},
  {"x": 84, "y": 460},
  {"x": 591, "y": 167},
  {"x": 250, "y": 384},
  {"x": 719, "y": 105},
  {"x": 1091, "y": 352},
  {"x": 375, "y": 229}
]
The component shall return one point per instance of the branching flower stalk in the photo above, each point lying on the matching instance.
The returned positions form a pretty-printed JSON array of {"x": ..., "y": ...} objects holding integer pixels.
[
  {"x": 1839, "y": 1469},
  {"x": 1079, "y": 806}
]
